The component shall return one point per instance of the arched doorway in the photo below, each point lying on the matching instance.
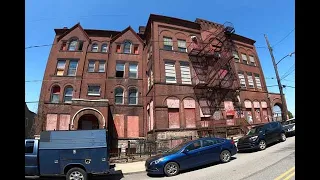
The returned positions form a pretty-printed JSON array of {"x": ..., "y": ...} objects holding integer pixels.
[
  {"x": 276, "y": 110},
  {"x": 88, "y": 118},
  {"x": 88, "y": 121}
]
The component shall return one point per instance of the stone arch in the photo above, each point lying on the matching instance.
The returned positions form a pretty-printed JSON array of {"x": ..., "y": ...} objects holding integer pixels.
[
  {"x": 169, "y": 97},
  {"x": 87, "y": 111},
  {"x": 166, "y": 33}
]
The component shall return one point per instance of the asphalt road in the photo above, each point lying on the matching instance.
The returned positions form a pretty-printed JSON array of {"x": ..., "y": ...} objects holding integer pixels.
[{"x": 277, "y": 162}]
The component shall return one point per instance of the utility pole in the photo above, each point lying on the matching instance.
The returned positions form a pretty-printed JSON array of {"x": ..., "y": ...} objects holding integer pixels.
[{"x": 284, "y": 111}]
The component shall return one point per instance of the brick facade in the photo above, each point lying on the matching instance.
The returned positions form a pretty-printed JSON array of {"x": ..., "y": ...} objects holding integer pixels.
[{"x": 140, "y": 103}]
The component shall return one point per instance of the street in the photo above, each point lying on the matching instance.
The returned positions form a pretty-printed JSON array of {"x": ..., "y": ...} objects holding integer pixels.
[
  {"x": 272, "y": 163},
  {"x": 277, "y": 162}
]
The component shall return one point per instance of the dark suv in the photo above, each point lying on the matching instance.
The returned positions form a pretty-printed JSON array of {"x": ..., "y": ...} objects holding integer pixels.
[{"x": 260, "y": 136}]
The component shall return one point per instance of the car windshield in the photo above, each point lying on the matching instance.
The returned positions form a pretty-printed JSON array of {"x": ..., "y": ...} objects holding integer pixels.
[
  {"x": 177, "y": 148},
  {"x": 254, "y": 130}
]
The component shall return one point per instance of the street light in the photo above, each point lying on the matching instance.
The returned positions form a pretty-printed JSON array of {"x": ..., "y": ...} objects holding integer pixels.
[{"x": 285, "y": 57}]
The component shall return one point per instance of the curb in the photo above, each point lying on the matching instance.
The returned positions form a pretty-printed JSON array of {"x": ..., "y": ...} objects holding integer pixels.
[{"x": 131, "y": 173}]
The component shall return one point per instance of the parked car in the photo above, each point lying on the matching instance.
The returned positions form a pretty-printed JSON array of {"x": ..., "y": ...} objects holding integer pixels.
[
  {"x": 191, "y": 154},
  {"x": 289, "y": 126},
  {"x": 260, "y": 136}
]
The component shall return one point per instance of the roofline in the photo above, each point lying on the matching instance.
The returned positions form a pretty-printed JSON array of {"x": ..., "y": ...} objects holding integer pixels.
[
  {"x": 170, "y": 20},
  {"x": 240, "y": 38}
]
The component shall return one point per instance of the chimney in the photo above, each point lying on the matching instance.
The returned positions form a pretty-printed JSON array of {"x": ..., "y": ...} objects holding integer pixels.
[
  {"x": 65, "y": 28},
  {"x": 142, "y": 29}
]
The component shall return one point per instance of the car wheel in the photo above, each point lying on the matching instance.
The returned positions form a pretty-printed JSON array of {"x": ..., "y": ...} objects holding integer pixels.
[
  {"x": 225, "y": 156},
  {"x": 171, "y": 169},
  {"x": 76, "y": 173},
  {"x": 283, "y": 137},
  {"x": 262, "y": 145}
]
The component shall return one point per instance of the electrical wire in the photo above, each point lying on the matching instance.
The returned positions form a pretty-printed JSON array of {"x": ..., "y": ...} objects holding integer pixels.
[{"x": 283, "y": 38}]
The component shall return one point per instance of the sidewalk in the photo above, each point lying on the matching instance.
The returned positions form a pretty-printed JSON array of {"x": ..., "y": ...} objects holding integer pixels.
[{"x": 133, "y": 167}]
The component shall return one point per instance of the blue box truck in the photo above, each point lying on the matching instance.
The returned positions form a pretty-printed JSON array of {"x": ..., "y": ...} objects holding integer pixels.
[{"x": 73, "y": 154}]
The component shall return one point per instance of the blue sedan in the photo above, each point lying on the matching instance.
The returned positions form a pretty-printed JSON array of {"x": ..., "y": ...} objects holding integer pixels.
[{"x": 191, "y": 154}]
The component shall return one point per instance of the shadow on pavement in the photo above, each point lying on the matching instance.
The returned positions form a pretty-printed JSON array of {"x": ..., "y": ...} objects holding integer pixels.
[{"x": 193, "y": 169}]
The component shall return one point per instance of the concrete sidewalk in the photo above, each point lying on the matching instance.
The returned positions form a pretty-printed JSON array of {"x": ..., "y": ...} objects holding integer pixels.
[{"x": 129, "y": 168}]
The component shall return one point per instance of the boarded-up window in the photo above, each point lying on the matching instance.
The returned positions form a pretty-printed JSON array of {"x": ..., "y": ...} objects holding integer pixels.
[
  {"x": 64, "y": 122},
  {"x": 51, "y": 122},
  {"x": 264, "y": 104},
  {"x": 264, "y": 115},
  {"x": 133, "y": 126},
  {"x": 190, "y": 117},
  {"x": 189, "y": 112},
  {"x": 257, "y": 113},
  {"x": 256, "y": 104},
  {"x": 170, "y": 71},
  {"x": 173, "y": 103},
  {"x": 174, "y": 121},
  {"x": 228, "y": 106},
  {"x": 119, "y": 123},
  {"x": 185, "y": 73},
  {"x": 247, "y": 104}
]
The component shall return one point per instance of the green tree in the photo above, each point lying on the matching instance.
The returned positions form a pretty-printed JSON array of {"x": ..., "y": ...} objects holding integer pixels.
[{"x": 290, "y": 115}]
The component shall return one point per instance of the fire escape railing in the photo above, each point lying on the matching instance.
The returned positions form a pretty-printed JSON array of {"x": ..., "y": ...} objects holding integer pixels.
[{"x": 211, "y": 60}]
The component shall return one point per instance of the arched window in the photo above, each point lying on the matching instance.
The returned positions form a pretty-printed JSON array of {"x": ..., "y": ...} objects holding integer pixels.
[
  {"x": 127, "y": 47},
  {"x": 55, "y": 94},
  {"x": 73, "y": 45},
  {"x": 94, "y": 47},
  {"x": 104, "y": 48},
  {"x": 133, "y": 96},
  {"x": 118, "y": 93},
  {"x": 68, "y": 92}
]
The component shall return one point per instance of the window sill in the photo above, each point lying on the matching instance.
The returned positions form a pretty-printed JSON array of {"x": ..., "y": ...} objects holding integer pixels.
[
  {"x": 127, "y": 53},
  {"x": 65, "y": 76},
  {"x": 70, "y": 51},
  {"x": 98, "y": 52},
  {"x": 174, "y": 51},
  {"x": 94, "y": 95},
  {"x": 96, "y": 72}
]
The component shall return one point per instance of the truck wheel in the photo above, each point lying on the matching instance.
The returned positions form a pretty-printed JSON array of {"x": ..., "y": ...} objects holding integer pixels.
[{"x": 76, "y": 174}]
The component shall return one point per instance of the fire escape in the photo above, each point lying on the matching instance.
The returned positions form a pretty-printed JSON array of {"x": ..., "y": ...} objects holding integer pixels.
[{"x": 215, "y": 77}]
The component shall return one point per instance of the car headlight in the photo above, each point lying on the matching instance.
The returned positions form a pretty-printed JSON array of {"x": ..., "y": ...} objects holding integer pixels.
[
  {"x": 156, "y": 161},
  {"x": 293, "y": 128},
  {"x": 253, "y": 138}
]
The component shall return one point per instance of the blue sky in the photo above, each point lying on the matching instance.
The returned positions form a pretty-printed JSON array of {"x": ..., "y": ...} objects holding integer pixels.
[{"x": 251, "y": 18}]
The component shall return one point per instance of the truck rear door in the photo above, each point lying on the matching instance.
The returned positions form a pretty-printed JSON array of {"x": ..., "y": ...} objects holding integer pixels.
[{"x": 31, "y": 157}]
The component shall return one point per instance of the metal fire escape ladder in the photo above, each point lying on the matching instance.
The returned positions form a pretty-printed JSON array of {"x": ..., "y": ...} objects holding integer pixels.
[{"x": 215, "y": 76}]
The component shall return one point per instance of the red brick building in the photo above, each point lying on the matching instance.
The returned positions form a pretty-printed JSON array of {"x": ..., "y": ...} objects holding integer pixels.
[{"x": 142, "y": 84}]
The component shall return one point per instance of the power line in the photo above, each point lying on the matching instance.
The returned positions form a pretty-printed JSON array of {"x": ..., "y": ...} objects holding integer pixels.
[
  {"x": 288, "y": 86},
  {"x": 287, "y": 74},
  {"x": 283, "y": 38}
]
